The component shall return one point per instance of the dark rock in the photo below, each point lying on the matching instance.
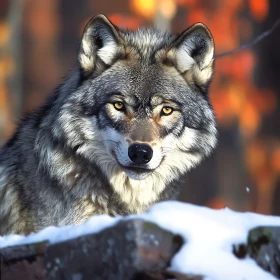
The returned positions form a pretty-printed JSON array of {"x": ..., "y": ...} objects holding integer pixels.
[
  {"x": 264, "y": 247},
  {"x": 132, "y": 249},
  {"x": 23, "y": 262}
]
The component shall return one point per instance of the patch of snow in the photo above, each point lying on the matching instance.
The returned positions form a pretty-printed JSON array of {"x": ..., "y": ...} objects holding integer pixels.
[
  {"x": 209, "y": 234},
  {"x": 59, "y": 234}
]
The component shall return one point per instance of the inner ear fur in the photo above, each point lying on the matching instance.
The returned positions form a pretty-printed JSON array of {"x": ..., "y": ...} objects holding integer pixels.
[
  {"x": 99, "y": 44},
  {"x": 192, "y": 53}
]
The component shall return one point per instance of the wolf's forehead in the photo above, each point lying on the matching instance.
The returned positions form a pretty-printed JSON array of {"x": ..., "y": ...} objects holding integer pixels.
[
  {"x": 148, "y": 83},
  {"x": 148, "y": 99},
  {"x": 147, "y": 40}
]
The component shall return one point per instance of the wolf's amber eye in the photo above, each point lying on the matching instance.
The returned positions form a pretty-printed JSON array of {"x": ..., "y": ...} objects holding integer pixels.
[
  {"x": 167, "y": 110},
  {"x": 119, "y": 106}
]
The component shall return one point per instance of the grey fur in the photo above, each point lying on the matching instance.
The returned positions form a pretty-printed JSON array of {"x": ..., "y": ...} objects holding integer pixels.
[{"x": 63, "y": 163}]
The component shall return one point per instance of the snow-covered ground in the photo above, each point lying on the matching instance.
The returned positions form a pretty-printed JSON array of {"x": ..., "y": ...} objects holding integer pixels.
[{"x": 210, "y": 235}]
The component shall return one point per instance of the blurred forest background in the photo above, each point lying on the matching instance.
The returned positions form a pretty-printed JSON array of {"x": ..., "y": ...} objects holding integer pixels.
[{"x": 39, "y": 40}]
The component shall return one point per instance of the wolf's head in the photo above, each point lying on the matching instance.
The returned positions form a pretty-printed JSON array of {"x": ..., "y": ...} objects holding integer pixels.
[{"x": 142, "y": 110}]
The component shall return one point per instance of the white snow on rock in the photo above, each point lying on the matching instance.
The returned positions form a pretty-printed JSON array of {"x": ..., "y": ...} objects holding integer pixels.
[
  {"x": 59, "y": 234},
  {"x": 209, "y": 234}
]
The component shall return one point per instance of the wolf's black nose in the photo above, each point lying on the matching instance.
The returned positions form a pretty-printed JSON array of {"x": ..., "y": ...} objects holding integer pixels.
[{"x": 140, "y": 153}]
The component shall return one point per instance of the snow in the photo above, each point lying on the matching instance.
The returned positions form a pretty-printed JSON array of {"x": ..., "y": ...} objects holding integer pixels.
[
  {"x": 59, "y": 234},
  {"x": 210, "y": 235}
]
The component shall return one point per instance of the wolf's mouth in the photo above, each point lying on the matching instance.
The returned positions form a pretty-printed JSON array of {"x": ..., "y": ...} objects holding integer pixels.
[
  {"x": 131, "y": 168},
  {"x": 136, "y": 173},
  {"x": 136, "y": 169}
]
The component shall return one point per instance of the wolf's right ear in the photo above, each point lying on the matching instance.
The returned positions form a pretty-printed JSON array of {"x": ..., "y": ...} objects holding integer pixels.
[{"x": 99, "y": 44}]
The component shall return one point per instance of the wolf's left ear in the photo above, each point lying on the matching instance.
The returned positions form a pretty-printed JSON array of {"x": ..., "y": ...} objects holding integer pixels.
[
  {"x": 99, "y": 45},
  {"x": 193, "y": 53}
]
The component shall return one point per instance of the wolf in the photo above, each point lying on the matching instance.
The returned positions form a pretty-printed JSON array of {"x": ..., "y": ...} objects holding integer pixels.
[{"x": 117, "y": 135}]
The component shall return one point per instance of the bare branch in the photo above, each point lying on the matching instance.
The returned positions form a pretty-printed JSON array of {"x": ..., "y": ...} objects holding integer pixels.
[{"x": 252, "y": 43}]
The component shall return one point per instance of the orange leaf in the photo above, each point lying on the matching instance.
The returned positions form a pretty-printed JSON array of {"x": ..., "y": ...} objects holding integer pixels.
[
  {"x": 249, "y": 120},
  {"x": 4, "y": 33},
  {"x": 259, "y": 9},
  {"x": 275, "y": 161},
  {"x": 145, "y": 8}
]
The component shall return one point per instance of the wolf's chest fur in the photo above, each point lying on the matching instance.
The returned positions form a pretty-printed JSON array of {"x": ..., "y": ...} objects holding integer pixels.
[{"x": 117, "y": 135}]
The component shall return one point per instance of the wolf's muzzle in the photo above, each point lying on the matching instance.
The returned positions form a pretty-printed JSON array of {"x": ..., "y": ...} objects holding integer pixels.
[{"x": 140, "y": 153}]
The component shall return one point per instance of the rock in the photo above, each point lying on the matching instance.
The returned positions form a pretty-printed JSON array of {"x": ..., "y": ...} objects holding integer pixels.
[
  {"x": 264, "y": 246},
  {"x": 132, "y": 249}
]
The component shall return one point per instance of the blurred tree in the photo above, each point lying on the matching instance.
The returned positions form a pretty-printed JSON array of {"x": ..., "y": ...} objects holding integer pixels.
[
  {"x": 266, "y": 74},
  {"x": 10, "y": 66}
]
